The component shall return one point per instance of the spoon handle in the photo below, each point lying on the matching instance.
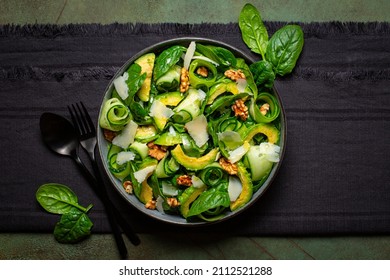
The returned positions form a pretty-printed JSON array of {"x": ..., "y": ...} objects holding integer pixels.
[{"x": 108, "y": 206}]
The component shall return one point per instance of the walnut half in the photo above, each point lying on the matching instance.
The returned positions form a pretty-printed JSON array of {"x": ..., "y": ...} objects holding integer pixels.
[
  {"x": 240, "y": 110},
  {"x": 184, "y": 180},
  {"x": 229, "y": 167},
  {"x": 128, "y": 186},
  {"x": 184, "y": 80},
  {"x": 156, "y": 151},
  {"x": 173, "y": 202},
  {"x": 151, "y": 204},
  {"x": 234, "y": 75}
]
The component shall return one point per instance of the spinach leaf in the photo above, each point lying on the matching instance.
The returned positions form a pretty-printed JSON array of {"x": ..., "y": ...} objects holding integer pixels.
[
  {"x": 218, "y": 54},
  {"x": 210, "y": 200},
  {"x": 134, "y": 83},
  {"x": 57, "y": 198},
  {"x": 284, "y": 48},
  {"x": 166, "y": 60},
  {"x": 254, "y": 33},
  {"x": 60, "y": 199},
  {"x": 135, "y": 79},
  {"x": 73, "y": 227},
  {"x": 263, "y": 74}
]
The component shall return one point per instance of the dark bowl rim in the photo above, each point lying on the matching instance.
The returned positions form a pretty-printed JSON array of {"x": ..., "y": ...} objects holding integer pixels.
[{"x": 156, "y": 47}]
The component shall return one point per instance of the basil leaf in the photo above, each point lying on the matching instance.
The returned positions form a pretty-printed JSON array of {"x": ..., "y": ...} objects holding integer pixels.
[
  {"x": 263, "y": 74},
  {"x": 284, "y": 48},
  {"x": 57, "y": 198},
  {"x": 166, "y": 60},
  {"x": 254, "y": 33},
  {"x": 73, "y": 227}
]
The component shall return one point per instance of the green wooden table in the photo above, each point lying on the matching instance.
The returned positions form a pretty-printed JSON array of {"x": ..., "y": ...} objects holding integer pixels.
[{"x": 157, "y": 246}]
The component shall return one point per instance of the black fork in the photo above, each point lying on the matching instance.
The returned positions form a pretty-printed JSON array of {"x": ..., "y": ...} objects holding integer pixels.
[{"x": 87, "y": 137}]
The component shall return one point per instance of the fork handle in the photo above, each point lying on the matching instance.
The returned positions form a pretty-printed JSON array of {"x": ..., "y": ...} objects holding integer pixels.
[
  {"x": 111, "y": 217},
  {"x": 102, "y": 191}
]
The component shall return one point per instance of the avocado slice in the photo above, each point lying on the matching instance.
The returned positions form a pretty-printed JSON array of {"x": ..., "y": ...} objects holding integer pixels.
[
  {"x": 170, "y": 98},
  {"x": 221, "y": 88},
  {"x": 169, "y": 139},
  {"x": 187, "y": 197},
  {"x": 193, "y": 163},
  {"x": 268, "y": 130},
  {"x": 247, "y": 188},
  {"x": 146, "y": 62},
  {"x": 146, "y": 194}
]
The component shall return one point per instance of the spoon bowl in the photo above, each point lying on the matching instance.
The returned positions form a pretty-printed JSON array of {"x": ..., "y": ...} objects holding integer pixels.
[{"x": 58, "y": 134}]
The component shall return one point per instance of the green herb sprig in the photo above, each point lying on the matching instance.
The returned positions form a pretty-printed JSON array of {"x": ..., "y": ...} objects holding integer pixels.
[{"x": 74, "y": 224}]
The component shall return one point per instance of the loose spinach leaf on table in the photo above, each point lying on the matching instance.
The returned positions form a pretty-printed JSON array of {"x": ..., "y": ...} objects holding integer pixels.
[
  {"x": 57, "y": 198},
  {"x": 73, "y": 227},
  {"x": 60, "y": 199},
  {"x": 284, "y": 48},
  {"x": 254, "y": 32}
]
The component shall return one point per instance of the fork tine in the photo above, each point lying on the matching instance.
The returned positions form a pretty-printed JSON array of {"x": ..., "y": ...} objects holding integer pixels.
[
  {"x": 79, "y": 120},
  {"x": 82, "y": 120},
  {"x": 74, "y": 120},
  {"x": 88, "y": 118}
]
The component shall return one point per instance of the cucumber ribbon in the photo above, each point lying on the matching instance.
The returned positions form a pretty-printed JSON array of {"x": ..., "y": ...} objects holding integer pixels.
[
  {"x": 273, "y": 112},
  {"x": 198, "y": 81},
  {"x": 115, "y": 115}
]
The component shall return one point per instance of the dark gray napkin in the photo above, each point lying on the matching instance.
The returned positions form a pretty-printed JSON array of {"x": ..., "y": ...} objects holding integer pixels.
[{"x": 335, "y": 176}]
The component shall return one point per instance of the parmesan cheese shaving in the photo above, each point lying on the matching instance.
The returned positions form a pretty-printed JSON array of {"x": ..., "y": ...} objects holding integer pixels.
[
  {"x": 169, "y": 189},
  {"x": 121, "y": 86},
  {"x": 160, "y": 111},
  {"x": 205, "y": 59},
  {"x": 196, "y": 182},
  {"x": 197, "y": 129},
  {"x": 271, "y": 151},
  {"x": 234, "y": 188},
  {"x": 126, "y": 137},
  {"x": 189, "y": 54},
  {"x": 142, "y": 174},
  {"x": 159, "y": 204},
  {"x": 124, "y": 157},
  {"x": 241, "y": 85},
  {"x": 238, "y": 153},
  {"x": 201, "y": 95}
]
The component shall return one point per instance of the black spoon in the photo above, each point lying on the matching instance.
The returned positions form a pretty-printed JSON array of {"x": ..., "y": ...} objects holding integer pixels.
[{"x": 59, "y": 135}]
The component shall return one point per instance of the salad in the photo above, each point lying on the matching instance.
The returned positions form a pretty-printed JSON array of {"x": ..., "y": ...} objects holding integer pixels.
[
  {"x": 189, "y": 133},
  {"x": 194, "y": 130}
]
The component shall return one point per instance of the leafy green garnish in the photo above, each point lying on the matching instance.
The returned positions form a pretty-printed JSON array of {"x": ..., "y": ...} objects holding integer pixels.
[
  {"x": 254, "y": 32},
  {"x": 57, "y": 198},
  {"x": 284, "y": 48},
  {"x": 74, "y": 225},
  {"x": 279, "y": 53},
  {"x": 211, "y": 201},
  {"x": 263, "y": 74},
  {"x": 166, "y": 60}
]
